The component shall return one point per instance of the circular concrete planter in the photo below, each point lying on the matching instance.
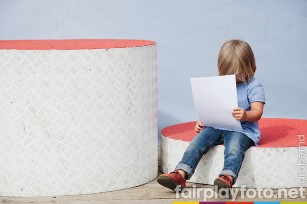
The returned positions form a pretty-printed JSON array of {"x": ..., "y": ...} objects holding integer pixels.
[
  {"x": 77, "y": 116},
  {"x": 276, "y": 163}
]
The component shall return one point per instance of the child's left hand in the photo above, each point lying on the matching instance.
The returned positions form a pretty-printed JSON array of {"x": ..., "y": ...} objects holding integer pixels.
[{"x": 239, "y": 113}]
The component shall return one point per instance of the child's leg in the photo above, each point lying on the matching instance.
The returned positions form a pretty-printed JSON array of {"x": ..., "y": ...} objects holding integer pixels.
[
  {"x": 199, "y": 146},
  {"x": 236, "y": 144}
]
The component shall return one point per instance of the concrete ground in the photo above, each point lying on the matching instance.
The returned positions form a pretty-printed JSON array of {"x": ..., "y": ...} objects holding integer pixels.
[{"x": 151, "y": 192}]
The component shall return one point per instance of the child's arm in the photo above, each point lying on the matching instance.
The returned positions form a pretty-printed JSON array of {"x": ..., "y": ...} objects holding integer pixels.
[{"x": 250, "y": 116}]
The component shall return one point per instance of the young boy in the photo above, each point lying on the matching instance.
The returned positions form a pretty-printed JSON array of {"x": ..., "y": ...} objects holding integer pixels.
[{"x": 235, "y": 57}]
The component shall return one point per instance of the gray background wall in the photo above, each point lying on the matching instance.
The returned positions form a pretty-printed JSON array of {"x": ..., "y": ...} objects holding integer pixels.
[{"x": 189, "y": 35}]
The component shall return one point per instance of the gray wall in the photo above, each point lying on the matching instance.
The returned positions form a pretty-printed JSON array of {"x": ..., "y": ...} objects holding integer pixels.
[{"x": 189, "y": 35}]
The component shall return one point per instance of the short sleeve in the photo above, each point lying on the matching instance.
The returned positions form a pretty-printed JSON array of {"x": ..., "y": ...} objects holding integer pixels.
[{"x": 255, "y": 92}]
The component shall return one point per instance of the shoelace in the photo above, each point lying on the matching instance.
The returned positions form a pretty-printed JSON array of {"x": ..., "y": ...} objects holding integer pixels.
[
  {"x": 176, "y": 174},
  {"x": 228, "y": 179}
]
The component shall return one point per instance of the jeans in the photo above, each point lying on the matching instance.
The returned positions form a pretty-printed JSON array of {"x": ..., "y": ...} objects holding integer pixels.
[{"x": 236, "y": 143}]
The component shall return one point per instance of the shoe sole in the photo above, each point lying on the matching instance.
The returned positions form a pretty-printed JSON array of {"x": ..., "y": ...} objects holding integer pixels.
[
  {"x": 167, "y": 182},
  {"x": 221, "y": 185}
]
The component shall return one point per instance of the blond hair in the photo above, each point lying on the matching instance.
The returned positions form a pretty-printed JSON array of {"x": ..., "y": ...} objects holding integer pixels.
[{"x": 237, "y": 57}]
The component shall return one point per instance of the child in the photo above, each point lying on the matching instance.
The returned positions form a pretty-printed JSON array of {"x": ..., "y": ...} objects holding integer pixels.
[{"x": 235, "y": 57}]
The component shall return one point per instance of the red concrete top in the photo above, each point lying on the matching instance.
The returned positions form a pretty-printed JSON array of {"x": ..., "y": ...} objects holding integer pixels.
[
  {"x": 275, "y": 132},
  {"x": 73, "y": 44}
]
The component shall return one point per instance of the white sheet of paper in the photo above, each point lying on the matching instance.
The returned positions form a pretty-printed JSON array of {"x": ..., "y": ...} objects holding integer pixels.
[{"x": 214, "y": 99}]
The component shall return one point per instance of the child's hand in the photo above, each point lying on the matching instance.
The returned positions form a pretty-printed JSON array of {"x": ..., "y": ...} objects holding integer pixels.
[
  {"x": 199, "y": 126},
  {"x": 239, "y": 113}
]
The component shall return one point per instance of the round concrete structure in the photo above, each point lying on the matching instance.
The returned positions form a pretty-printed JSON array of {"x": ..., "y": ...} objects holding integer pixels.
[
  {"x": 77, "y": 116},
  {"x": 278, "y": 161}
]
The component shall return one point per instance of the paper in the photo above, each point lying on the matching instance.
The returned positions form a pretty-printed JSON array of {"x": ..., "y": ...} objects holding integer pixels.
[{"x": 215, "y": 98}]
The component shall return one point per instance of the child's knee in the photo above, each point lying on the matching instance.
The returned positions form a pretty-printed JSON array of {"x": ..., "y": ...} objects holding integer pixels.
[{"x": 234, "y": 150}]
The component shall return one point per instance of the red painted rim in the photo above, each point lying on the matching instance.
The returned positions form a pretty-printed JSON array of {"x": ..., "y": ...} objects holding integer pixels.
[
  {"x": 72, "y": 44},
  {"x": 275, "y": 132}
]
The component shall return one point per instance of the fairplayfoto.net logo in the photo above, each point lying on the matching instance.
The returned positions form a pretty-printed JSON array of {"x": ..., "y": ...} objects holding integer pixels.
[{"x": 242, "y": 192}]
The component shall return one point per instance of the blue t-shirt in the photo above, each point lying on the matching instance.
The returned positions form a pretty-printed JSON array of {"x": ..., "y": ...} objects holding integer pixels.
[{"x": 247, "y": 94}]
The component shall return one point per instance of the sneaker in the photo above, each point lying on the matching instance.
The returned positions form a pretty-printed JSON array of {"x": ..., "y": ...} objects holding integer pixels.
[
  {"x": 172, "y": 180},
  {"x": 224, "y": 182}
]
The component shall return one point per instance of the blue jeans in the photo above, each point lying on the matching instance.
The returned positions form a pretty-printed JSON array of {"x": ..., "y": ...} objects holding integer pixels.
[{"x": 236, "y": 143}]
